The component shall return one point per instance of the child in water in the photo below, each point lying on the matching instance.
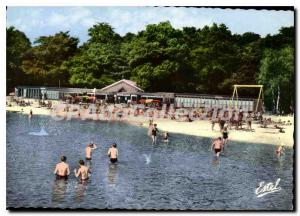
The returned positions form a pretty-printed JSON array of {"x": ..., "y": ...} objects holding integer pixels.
[{"x": 166, "y": 137}]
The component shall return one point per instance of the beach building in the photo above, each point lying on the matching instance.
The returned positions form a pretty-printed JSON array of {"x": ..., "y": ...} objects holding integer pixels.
[{"x": 127, "y": 91}]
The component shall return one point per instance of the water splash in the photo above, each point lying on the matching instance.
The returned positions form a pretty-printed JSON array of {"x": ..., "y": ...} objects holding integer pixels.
[
  {"x": 41, "y": 133},
  {"x": 148, "y": 158}
]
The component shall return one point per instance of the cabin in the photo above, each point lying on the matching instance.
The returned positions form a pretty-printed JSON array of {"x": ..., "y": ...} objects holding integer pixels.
[{"x": 125, "y": 91}]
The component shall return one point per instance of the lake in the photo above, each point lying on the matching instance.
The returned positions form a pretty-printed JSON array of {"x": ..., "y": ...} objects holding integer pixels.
[{"x": 182, "y": 174}]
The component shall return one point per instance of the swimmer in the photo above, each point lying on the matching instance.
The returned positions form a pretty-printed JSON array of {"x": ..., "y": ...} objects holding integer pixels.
[
  {"x": 225, "y": 136},
  {"x": 62, "y": 170},
  {"x": 154, "y": 133},
  {"x": 217, "y": 145},
  {"x": 113, "y": 153},
  {"x": 166, "y": 137},
  {"x": 88, "y": 150},
  {"x": 83, "y": 171}
]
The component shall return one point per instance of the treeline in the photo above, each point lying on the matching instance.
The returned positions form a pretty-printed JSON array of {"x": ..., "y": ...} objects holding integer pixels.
[{"x": 206, "y": 60}]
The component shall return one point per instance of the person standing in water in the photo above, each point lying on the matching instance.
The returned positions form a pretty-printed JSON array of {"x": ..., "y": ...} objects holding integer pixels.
[
  {"x": 82, "y": 172},
  {"x": 113, "y": 153},
  {"x": 30, "y": 113},
  {"x": 62, "y": 170},
  {"x": 88, "y": 150},
  {"x": 217, "y": 146},
  {"x": 280, "y": 148},
  {"x": 150, "y": 127},
  {"x": 166, "y": 137},
  {"x": 154, "y": 133},
  {"x": 225, "y": 137}
]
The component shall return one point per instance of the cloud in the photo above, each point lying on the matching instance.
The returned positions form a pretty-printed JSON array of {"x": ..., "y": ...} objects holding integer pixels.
[{"x": 38, "y": 21}]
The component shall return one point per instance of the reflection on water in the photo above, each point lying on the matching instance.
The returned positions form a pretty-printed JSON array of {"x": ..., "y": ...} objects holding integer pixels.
[
  {"x": 80, "y": 189},
  {"x": 112, "y": 174},
  {"x": 59, "y": 191},
  {"x": 180, "y": 175}
]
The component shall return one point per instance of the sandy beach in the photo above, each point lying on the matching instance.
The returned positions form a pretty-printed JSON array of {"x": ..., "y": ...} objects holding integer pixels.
[{"x": 201, "y": 128}]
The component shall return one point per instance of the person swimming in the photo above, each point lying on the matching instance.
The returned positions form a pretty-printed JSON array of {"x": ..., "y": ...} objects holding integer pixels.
[
  {"x": 113, "y": 153},
  {"x": 83, "y": 171},
  {"x": 217, "y": 146},
  {"x": 62, "y": 170},
  {"x": 88, "y": 150}
]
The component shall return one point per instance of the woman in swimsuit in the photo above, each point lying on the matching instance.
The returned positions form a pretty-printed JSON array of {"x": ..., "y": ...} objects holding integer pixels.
[{"x": 225, "y": 136}]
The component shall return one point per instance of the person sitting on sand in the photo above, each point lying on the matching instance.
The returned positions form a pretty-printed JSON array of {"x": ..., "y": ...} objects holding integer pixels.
[
  {"x": 62, "y": 170},
  {"x": 166, "y": 137},
  {"x": 113, "y": 153},
  {"x": 154, "y": 133},
  {"x": 83, "y": 171},
  {"x": 88, "y": 150},
  {"x": 217, "y": 146}
]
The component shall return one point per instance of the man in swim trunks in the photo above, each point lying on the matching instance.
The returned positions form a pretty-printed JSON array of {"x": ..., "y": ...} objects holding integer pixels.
[
  {"x": 83, "y": 171},
  {"x": 217, "y": 145},
  {"x": 88, "y": 150},
  {"x": 113, "y": 153},
  {"x": 62, "y": 170},
  {"x": 154, "y": 133}
]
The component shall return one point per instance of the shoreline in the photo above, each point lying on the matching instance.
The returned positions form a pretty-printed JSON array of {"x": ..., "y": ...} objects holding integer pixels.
[{"x": 201, "y": 128}]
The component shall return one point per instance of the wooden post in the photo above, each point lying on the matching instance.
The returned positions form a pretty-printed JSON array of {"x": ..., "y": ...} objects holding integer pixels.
[{"x": 258, "y": 98}]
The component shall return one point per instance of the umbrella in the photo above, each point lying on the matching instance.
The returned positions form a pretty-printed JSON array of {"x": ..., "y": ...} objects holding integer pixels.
[{"x": 149, "y": 101}]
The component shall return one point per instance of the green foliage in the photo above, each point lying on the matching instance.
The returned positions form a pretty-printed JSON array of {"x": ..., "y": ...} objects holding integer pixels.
[
  {"x": 277, "y": 75},
  {"x": 208, "y": 60},
  {"x": 16, "y": 45},
  {"x": 43, "y": 62}
]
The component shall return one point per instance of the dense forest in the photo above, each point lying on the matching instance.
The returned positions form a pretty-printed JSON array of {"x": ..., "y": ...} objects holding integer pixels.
[{"x": 206, "y": 60}]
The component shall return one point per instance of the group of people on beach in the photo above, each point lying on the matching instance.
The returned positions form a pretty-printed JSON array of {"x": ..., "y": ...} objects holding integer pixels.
[{"x": 62, "y": 170}]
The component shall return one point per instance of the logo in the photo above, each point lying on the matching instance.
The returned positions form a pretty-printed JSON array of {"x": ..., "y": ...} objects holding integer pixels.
[{"x": 267, "y": 188}]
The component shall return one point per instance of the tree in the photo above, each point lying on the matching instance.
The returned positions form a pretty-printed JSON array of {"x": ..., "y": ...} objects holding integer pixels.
[
  {"x": 99, "y": 62},
  {"x": 103, "y": 33},
  {"x": 159, "y": 57},
  {"x": 277, "y": 74},
  {"x": 16, "y": 45},
  {"x": 44, "y": 60}
]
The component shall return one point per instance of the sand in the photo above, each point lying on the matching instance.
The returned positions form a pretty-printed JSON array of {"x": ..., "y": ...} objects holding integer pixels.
[{"x": 201, "y": 128}]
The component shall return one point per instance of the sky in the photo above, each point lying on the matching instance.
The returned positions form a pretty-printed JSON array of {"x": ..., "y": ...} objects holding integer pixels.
[{"x": 36, "y": 21}]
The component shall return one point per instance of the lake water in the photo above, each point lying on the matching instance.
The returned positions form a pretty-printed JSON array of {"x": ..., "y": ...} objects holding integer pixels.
[{"x": 179, "y": 175}]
